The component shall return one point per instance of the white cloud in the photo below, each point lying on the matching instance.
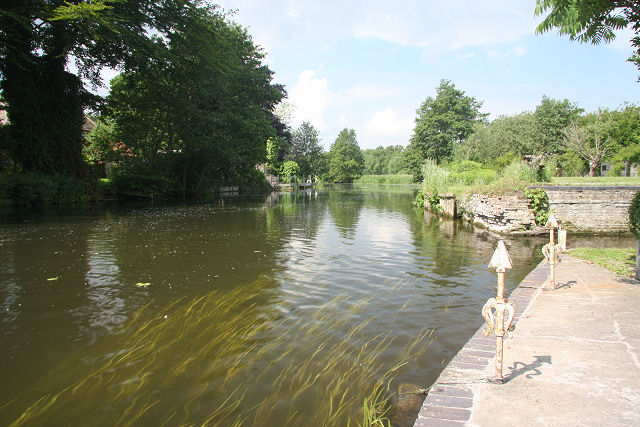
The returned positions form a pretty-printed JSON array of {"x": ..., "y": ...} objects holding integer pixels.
[
  {"x": 386, "y": 123},
  {"x": 343, "y": 121},
  {"x": 311, "y": 97},
  {"x": 440, "y": 26},
  {"x": 436, "y": 25}
]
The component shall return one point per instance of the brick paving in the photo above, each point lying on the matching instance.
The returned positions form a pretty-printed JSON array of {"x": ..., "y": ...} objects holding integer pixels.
[
  {"x": 450, "y": 404},
  {"x": 574, "y": 358}
]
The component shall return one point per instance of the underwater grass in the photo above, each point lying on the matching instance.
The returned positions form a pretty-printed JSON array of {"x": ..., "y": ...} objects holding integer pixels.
[{"x": 230, "y": 357}]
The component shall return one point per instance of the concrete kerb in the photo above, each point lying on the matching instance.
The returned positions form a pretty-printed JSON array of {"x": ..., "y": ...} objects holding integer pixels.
[{"x": 450, "y": 399}]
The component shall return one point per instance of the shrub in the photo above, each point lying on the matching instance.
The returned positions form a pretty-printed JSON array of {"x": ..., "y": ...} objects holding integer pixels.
[
  {"x": 418, "y": 202},
  {"x": 30, "y": 190},
  {"x": 435, "y": 176},
  {"x": 634, "y": 215},
  {"x": 571, "y": 164},
  {"x": 539, "y": 202},
  {"x": 136, "y": 176},
  {"x": 500, "y": 163},
  {"x": 519, "y": 170}
]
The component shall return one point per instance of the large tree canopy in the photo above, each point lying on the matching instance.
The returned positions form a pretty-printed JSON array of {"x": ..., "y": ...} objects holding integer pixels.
[
  {"x": 45, "y": 101},
  {"x": 442, "y": 123},
  {"x": 306, "y": 150},
  {"x": 346, "y": 162},
  {"x": 592, "y": 21},
  {"x": 206, "y": 103}
]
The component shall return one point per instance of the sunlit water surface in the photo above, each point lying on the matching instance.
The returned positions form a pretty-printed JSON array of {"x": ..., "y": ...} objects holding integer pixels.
[{"x": 290, "y": 310}]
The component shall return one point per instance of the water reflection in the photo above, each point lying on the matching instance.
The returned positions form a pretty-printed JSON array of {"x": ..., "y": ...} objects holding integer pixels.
[{"x": 254, "y": 310}]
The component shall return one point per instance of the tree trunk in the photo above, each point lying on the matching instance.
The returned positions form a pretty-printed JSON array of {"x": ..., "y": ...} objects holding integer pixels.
[{"x": 592, "y": 167}]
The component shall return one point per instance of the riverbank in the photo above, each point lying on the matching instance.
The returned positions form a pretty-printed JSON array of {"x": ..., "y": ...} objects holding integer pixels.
[
  {"x": 579, "y": 209},
  {"x": 574, "y": 358}
]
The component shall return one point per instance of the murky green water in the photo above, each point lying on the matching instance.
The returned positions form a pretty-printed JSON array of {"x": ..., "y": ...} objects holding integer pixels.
[{"x": 289, "y": 310}]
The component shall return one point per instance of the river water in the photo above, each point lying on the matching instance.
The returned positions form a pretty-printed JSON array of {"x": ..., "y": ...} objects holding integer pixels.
[{"x": 288, "y": 310}]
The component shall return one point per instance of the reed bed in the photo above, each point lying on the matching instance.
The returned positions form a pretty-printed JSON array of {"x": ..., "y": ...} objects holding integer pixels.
[{"x": 231, "y": 358}]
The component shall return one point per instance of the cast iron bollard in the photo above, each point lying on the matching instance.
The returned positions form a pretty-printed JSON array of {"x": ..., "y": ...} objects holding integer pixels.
[
  {"x": 500, "y": 321},
  {"x": 551, "y": 251}
]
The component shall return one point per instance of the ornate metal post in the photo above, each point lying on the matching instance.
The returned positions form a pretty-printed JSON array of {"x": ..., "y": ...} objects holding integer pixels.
[
  {"x": 497, "y": 312},
  {"x": 551, "y": 251}
]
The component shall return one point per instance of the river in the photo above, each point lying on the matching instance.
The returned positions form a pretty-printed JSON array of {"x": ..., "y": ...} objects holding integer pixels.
[{"x": 285, "y": 310}]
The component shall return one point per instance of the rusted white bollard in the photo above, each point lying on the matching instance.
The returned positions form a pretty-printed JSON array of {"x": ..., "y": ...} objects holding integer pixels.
[
  {"x": 497, "y": 312},
  {"x": 551, "y": 251}
]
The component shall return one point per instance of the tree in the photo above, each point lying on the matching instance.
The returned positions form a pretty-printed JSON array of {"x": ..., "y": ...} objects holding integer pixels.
[
  {"x": 383, "y": 160},
  {"x": 591, "y": 21},
  {"x": 46, "y": 102},
  {"x": 204, "y": 111},
  {"x": 589, "y": 139},
  {"x": 443, "y": 122},
  {"x": 306, "y": 150},
  {"x": 346, "y": 162},
  {"x": 273, "y": 147},
  {"x": 552, "y": 118},
  {"x": 518, "y": 134},
  {"x": 289, "y": 170}
]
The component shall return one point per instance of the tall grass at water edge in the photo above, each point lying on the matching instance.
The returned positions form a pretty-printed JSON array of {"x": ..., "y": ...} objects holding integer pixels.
[
  {"x": 219, "y": 360},
  {"x": 460, "y": 180},
  {"x": 397, "y": 179}
]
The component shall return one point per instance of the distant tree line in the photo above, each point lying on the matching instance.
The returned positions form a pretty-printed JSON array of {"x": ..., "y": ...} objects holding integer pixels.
[{"x": 450, "y": 129}]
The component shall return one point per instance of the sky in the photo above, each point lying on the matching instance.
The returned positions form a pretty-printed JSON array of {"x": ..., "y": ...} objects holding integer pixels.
[{"x": 368, "y": 65}]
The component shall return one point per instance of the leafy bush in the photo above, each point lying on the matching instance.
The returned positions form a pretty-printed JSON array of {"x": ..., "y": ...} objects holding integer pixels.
[
  {"x": 36, "y": 190},
  {"x": 434, "y": 201},
  {"x": 500, "y": 163},
  {"x": 464, "y": 166},
  {"x": 519, "y": 170},
  {"x": 539, "y": 202},
  {"x": 571, "y": 164},
  {"x": 135, "y": 176},
  {"x": 253, "y": 181},
  {"x": 289, "y": 169},
  {"x": 418, "y": 202},
  {"x": 475, "y": 176},
  {"x": 634, "y": 215}
]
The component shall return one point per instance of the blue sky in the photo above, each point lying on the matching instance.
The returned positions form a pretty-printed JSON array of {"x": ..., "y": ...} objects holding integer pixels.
[{"x": 368, "y": 65}]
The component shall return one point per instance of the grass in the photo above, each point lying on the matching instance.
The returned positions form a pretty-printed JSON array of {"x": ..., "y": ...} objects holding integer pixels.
[
  {"x": 620, "y": 261},
  {"x": 229, "y": 358},
  {"x": 385, "y": 179},
  {"x": 596, "y": 180}
]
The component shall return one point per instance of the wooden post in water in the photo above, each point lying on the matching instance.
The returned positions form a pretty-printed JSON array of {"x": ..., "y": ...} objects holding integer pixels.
[{"x": 497, "y": 312}]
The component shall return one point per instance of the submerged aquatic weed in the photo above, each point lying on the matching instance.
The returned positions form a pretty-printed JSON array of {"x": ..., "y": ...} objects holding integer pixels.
[{"x": 231, "y": 357}]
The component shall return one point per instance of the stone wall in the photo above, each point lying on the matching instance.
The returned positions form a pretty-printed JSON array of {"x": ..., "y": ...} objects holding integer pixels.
[
  {"x": 601, "y": 209},
  {"x": 504, "y": 214}
]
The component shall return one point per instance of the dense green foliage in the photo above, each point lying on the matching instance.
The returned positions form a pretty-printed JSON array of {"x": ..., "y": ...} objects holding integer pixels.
[
  {"x": 45, "y": 102},
  {"x": 190, "y": 111},
  {"x": 306, "y": 150},
  {"x": 383, "y": 160},
  {"x": 634, "y": 215},
  {"x": 346, "y": 162},
  {"x": 394, "y": 179},
  {"x": 592, "y": 21},
  {"x": 35, "y": 190},
  {"x": 443, "y": 123},
  {"x": 539, "y": 203},
  {"x": 289, "y": 171}
]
